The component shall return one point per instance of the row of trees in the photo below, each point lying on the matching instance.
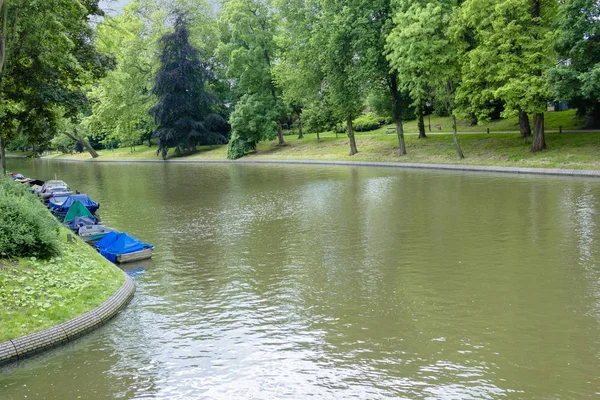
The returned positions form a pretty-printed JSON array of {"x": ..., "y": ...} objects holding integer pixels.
[
  {"x": 178, "y": 69},
  {"x": 470, "y": 58}
]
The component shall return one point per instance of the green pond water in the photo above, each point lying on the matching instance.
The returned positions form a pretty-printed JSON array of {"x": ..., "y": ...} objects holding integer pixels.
[{"x": 272, "y": 282}]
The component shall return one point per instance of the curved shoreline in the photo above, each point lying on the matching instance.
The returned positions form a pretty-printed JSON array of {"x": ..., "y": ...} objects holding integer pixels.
[
  {"x": 590, "y": 173},
  {"x": 35, "y": 343}
]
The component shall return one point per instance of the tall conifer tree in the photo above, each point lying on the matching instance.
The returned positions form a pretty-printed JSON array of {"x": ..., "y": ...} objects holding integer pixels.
[{"x": 184, "y": 113}]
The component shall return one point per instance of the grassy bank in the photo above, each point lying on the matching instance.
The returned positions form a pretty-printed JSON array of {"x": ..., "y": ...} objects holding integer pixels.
[
  {"x": 45, "y": 279},
  {"x": 37, "y": 294},
  {"x": 566, "y": 150}
]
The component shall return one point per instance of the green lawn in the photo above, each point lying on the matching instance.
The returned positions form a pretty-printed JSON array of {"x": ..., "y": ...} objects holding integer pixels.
[
  {"x": 36, "y": 294},
  {"x": 566, "y": 150}
]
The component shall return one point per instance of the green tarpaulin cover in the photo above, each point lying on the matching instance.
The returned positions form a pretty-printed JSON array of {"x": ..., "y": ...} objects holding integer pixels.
[{"x": 77, "y": 209}]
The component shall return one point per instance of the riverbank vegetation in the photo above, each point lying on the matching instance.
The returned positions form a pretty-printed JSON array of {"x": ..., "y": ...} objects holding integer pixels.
[
  {"x": 45, "y": 279},
  {"x": 184, "y": 74},
  {"x": 570, "y": 151}
]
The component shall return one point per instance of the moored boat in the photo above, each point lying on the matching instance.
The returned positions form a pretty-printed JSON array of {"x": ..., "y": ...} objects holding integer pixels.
[
  {"x": 60, "y": 204},
  {"x": 93, "y": 233},
  {"x": 77, "y": 209},
  {"x": 49, "y": 188},
  {"x": 122, "y": 248}
]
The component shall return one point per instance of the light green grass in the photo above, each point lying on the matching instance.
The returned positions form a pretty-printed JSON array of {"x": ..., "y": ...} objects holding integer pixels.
[
  {"x": 552, "y": 121},
  {"x": 36, "y": 295},
  {"x": 566, "y": 150},
  {"x": 573, "y": 150}
]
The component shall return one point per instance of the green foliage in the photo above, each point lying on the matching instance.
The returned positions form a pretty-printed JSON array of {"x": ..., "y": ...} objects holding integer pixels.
[
  {"x": 335, "y": 47},
  {"x": 27, "y": 229},
  {"x": 63, "y": 143},
  {"x": 318, "y": 117},
  {"x": 184, "y": 112},
  {"x": 50, "y": 57},
  {"x": 253, "y": 120},
  {"x": 122, "y": 99},
  {"x": 577, "y": 80},
  {"x": 364, "y": 123},
  {"x": 419, "y": 49},
  {"x": 239, "y": 147},
  {"x": 505, "y": 51},
  {"x": 248, "y": 49},
  {"x": 368, "y": 122}
]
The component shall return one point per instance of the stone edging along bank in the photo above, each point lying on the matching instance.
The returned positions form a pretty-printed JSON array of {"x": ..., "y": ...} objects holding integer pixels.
[
  {"x": 590, "y": 173},
  {"x": 29, "y": 345}
]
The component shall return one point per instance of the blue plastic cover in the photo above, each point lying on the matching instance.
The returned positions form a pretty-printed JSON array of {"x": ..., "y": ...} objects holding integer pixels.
[
  {"x": 78, "y": 222},
  {"x": 62, "y": 203},
  {"x": 114, "y": 244}
]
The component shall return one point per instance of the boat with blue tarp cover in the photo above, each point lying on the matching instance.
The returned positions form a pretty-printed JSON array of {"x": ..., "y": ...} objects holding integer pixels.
[
  {"x": 122, "y": 248},
  {"x": 61, "y": 204}
]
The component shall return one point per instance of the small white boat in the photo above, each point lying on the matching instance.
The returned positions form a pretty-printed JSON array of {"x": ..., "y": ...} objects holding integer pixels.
[
  {"x": 93, "y": 233},
  {"x": 135, "y": 256}
]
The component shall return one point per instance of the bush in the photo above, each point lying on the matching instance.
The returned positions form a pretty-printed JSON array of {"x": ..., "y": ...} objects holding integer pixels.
[
  {"x": 239, "y": 147},
  {"x": 339, "y": 128},
  {"x": 368, "y": 122},
  {"x": 318, "y": 118},
  {"x": 27, "y": 229}
]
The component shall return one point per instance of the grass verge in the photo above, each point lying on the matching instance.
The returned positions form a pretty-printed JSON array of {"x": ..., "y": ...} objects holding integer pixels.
[
  {"x": 566, "y": 150},
  {"x": 36, "y": 294}
]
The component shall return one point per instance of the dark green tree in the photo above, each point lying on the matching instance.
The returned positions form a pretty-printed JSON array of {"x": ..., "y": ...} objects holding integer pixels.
[
  {"x": 184, "y": 114},
  {"x": 577, "y": 77}
]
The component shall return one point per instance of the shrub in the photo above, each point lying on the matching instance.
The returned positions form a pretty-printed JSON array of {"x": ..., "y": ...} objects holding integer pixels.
[
  {"x": 239, "y": 147},
  {"x": 318, "y": 118},
  {"x": 367, "y": 122},
  {"x": 339, "y": 128},
  {"x": 27, "y": 229}
]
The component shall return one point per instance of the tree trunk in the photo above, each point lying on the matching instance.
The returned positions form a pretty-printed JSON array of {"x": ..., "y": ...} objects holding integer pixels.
[
  {"x": 539, "y": 139},
  {"x": 300, "y": 134},
  {"x": 2, "y": 157},
  {"x": 455, "y": 138},
  {"x": 524, "y": 126},
  {"x": 353, "y": 149},
  {"x": 473, "y": 120},
  {"x": 83, "y": 143},
  {"x": 280, "y": 135},
  {"x": 421, "y": 124},
  {"x": 4, "y": 13},
  {"x": 400, "y": 133},
  {"x": 396, "y": 111},
  {"x": 318, "y": 137}
]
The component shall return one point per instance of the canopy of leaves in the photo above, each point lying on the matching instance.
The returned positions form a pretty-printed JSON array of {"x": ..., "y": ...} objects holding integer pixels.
[
  {"x": 419, "y": 48},
  {"x": 506, "y": 49},
  {"x": 576, "y": 77},
  {"x": 122, "y": 99},
  {"x": 248, "y": 49},
  {"x": 50, "y": 58}
]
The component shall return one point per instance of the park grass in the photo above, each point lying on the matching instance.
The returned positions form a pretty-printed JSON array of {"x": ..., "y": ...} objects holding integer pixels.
[
  {"x": 38, "y": 294},
  {"x": 566, "y": 150},
  {"x": 569, "y": 150},
  {"x": 553, "y": 121}
]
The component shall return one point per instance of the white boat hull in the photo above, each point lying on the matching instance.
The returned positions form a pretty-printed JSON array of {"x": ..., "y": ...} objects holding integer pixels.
[{"x": 135, "y": 256}]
